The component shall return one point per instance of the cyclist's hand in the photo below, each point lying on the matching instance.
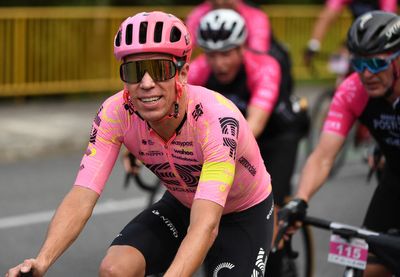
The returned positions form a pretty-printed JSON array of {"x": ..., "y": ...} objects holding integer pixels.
[
  {"x": 308, "y": 57},
  {"x": 28, "y": 266},
  {"x": 131, "y": 164},
  {"x": 290, "y": 216}
]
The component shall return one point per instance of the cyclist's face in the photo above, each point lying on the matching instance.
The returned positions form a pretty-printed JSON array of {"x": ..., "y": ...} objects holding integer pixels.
[
  {"x": 377, "y": 84},
  {"x": 153, "y": 100},
  {"x": 225, "y": 65},
  {"x": 224, "y": 4}
]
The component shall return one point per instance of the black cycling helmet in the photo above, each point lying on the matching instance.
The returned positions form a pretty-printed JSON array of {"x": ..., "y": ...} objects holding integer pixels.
[{"x": 373, "y": 33}]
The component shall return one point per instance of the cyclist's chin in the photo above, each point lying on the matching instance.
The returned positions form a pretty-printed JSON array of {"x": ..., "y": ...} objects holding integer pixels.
[
  {"x": 375, "y": 90},
  {"x": 153, "y": 115}
]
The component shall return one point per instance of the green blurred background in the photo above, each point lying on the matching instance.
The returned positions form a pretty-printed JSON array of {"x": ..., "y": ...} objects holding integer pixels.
[{"x": 66, "y": 46}]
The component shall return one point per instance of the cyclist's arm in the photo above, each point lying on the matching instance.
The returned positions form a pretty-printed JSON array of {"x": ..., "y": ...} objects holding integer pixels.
[
  {"x": 203, "y": 229},
  {"x": 68, "y": 221},
  {"x": 264, "y": 77},
  {"x": 319, "y": 164},
  {"x": 257, "y": 119},
  {"x": 325, "y": 20}
]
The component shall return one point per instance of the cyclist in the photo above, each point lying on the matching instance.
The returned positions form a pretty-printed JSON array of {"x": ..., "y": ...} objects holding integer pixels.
[
  {"x": 259, "y": 32},
  {"x": 218, "y": 188},
  {"x": 330, "y": 13},
  {"x": 258, "y": 25},
  {"x": 252, "y": 81},
  {"x": 371, "y": 95}
]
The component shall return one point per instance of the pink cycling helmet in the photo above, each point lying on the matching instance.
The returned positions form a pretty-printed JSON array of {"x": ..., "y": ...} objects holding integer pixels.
[{"x": 153, "y": 32}]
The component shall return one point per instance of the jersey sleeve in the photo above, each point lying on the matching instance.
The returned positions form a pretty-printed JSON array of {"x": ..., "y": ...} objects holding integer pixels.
[
  {"x": 347, "y": 104},
  {"x": 337, "y": 5},
  {"x": 264, "y": 77},
  {"x": 218, "y": 134},
  {"x": 193, "y": 20},
  {"x": 388, "y": 5},
  {"x": 258, "y": 27},
  {"x": 199, "y": 71},
  {"x": 104, "y": 145}
]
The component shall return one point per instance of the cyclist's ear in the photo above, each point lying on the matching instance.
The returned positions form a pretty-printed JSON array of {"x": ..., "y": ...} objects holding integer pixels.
[{"x": 183, "y": 73}]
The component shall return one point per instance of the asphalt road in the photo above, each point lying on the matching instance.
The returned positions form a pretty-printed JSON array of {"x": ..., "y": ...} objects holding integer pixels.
[{"x": 30, "y": 190}]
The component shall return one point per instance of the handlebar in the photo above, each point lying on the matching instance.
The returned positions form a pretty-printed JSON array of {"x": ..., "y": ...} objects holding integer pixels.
[
  {"x": 26, "y": 274},
  {"x": 381, "y": 240}
]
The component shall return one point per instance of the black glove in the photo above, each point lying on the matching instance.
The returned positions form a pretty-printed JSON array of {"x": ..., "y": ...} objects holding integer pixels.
[
  {"x": 295, "y": 210},
  {"x": 308, "y": 57}
]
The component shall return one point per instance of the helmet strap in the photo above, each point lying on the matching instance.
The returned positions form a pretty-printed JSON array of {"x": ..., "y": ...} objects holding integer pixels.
[
  {"x": 179, "y": 92},
  {"x": 128, "y": 105}
]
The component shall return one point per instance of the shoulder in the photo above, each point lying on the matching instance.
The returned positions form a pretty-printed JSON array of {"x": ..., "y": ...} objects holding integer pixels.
[
  {"x": 113, "y": 109},
  {"x": 208, "y": 104},
  {"x": 247, "y": 10},
  {"x": 199, "y": 71},
  {"x": 351, "y": 93},
  {"x": 260, "y": 63},
  {"x": 197, "y": 13}
]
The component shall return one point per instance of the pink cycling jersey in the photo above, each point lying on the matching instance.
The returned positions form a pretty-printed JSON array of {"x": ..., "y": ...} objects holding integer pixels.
[
  {"x": 257, "y": 23},
  {"x": 347, "y": 105},
  {"x": 212, "y": 156},
  {"x": 385, "y": 5},
  {"x": 262, "y": 72}
]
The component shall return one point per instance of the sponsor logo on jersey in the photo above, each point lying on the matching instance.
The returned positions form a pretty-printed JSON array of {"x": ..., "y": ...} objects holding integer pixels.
[
  {"x": 198, "y": 111},
  {"x": 97, "y": 119},
  {"x": 184, "y": 158},
  {"x": 182, "y": 143},
  {"x": 93, "y": 135},
  {"x": 230, "y": 131},
  {"x": 90, "y": 151},
  {"x": 389, "y": 123},
  {"x": 183, "y": 152},
  {"x": 189, "y": 174},
  {"x": 147, "y": 142},
  {"x": 151, "y": 153},
  {"x": 248, "y": 166}
]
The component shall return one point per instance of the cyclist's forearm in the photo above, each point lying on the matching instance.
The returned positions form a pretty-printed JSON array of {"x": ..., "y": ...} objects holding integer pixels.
[
  {"x": 201, "y": 235},
  {"x": 67, "y": 223},
  {"x": 324, "y": 21},
  {"x": 313, "y": 176},
  {"x": 257, "y": 119}
]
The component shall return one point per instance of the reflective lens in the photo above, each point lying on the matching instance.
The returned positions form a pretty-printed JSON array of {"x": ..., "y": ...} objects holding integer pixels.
[
  {"x": 374, "y": 65},
  {"x": 159, "y": 70}
]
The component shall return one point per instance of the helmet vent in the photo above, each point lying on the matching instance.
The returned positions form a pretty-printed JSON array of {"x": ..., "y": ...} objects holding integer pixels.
[
  {"x": 158, "y": 31},
  {"x": 128, "y": 34},
  {"x": 143, "y": 32},
  {"x": 175, "y": 34},
  {"x": 118, "y": 39}
]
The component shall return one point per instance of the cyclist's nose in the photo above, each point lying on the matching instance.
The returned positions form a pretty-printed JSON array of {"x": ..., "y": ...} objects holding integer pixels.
[
  {"x": 366, "y": 73},
  {"x": 147, "y": 81}
]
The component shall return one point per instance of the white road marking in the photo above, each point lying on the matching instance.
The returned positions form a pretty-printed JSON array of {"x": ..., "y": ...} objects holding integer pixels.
[{"x": 106, "y": 207}]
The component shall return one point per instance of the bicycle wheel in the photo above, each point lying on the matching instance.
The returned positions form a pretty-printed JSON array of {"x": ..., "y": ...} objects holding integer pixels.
[
  {"x": 302, "y": 243},
  {"x": 319, "y": 112}
]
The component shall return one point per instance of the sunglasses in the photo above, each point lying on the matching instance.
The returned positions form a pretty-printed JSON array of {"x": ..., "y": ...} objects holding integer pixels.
[
  {"x": 160, "y": 70},
  {"x": 374, "y": 65}
]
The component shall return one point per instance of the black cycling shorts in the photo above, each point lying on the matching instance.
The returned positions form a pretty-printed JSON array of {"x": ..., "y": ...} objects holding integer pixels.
[
  {"x": 240, "y": 249},
  {"x": 383, "y": 214},
  {"x": 383, "y": 211}
]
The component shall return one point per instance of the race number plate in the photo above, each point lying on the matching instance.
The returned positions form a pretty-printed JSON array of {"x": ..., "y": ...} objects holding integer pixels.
[{"x": 348, "y": 253}]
